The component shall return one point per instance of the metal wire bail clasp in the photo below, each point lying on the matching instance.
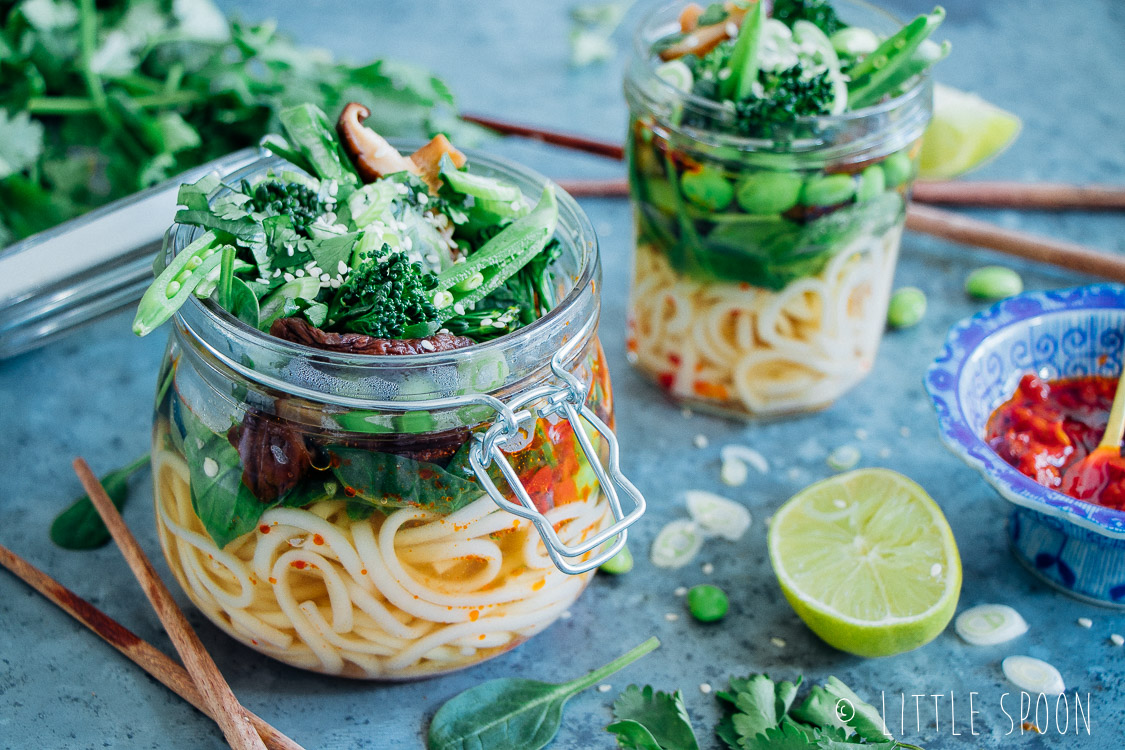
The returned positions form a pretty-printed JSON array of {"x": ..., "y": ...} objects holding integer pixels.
[{"x": 566, "y": 399}]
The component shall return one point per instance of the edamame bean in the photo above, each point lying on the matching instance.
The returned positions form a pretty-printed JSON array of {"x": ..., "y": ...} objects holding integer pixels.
[
  {"x": 897, "y": 168},
  {"x": 620, "y": 563},
  {"x": 907, "y": 307},
  {"x": 828, "y": 190},
  {"x": 768, "y": 192},
  {"x": 707, "y": 603},
  {"x": 872, "y": 183},
  {"x": 993, "y": 282},
  {"x": 707, "y": 188}
]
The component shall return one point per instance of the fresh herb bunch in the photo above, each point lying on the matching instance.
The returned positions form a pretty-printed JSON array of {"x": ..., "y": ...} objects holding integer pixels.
[
  {"x": 819, "y": 12},
  {"x": 388, "y": 296},
  {"x": 422, "y": 245},
  {"x": 102, "y": 99},
  {"x": 292, "y": 199},
  {"x": 784, "y": 97}
]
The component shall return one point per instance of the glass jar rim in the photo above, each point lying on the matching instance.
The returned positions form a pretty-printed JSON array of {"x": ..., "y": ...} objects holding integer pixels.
[
  {"x": 643, "y": 62},
  {"x": 574, "y": 317}
]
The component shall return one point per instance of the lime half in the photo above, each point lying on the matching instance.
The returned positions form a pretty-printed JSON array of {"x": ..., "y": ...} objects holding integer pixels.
[
  {"x": 965, "y": 132},
  {"x": 868, "y": 561}
]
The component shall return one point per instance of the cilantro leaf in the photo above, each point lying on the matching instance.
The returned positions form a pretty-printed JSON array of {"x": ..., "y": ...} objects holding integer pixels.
[{"x": 650, "y": 720}]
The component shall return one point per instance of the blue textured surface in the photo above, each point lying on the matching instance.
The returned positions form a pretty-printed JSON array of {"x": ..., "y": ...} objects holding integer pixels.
[{"x": 1054, "y": 64}]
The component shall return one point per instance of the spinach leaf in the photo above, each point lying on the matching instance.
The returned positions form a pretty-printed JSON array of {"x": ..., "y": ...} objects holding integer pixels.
[
  {"x": 226, "y": 507},
  {"x": 512, "y": 713},
  {"x": 80, "y": 526},
  {"x": 648, "y": 720},
  {"x": 387, "y": 481}
]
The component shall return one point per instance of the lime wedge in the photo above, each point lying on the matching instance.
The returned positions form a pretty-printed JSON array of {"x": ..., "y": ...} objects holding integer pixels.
[
  {"x": 965, "y": 132},
  {"x": 868, "y": 561}
]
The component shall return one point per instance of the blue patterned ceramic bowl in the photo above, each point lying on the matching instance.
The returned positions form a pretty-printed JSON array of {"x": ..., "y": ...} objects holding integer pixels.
[{"x": 1074, "y": 545}]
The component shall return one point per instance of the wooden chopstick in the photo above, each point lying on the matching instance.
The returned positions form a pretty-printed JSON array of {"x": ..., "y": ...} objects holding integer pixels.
[
  {"x": 1042, "y": 196},
  {"x": 555, "y": 137},
  {"x": 139, "y": 651},
  {"x": 950, "y": 226},
  {"x": 957, "y": 228},
  {"x": 1045, "y": 196},
  {"x": 221, "y": 703}
]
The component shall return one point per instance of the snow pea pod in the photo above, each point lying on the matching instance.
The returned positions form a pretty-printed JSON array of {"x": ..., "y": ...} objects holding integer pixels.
[
  {"x": 176, "y": 282},
  {"x": 871, "y": 74}
]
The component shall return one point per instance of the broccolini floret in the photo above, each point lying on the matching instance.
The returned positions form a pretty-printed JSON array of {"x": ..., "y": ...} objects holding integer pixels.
[
  {"x": 785, "y": 96},
  {"x": 388, "y": 297},
  {"x": 819, "y": 12},
  {"x": 274, "y": 198}
]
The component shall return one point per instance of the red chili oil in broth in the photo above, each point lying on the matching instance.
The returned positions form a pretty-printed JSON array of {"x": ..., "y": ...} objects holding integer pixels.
[{"x": 1047, "y": 426}]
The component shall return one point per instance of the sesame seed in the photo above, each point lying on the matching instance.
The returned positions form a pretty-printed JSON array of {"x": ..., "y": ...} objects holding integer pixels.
[
  {"x": 680, "y": 591},
  {"x": 705, "y": 688},
  {"x": 565, "y": 615},
  {"x": 210, "y": 467},
  {"x": 428, "y": 345},
  {"x": 289, "y": 251},
  {"x": 277, "y": 273},
  {"x": 671, "y": 616},
  {"x": 1117, "y": 639},
  {"x": 732, "y": 30},
  {"x": 1085, "y": 622},
  {"x": 700, "y": 441},
  {"x": 486, "y": 322},
  {"x": 287, "y": 276},
  {"x": 604, "y": 688},
  {"x": 300, "y": 273},
  {"x": 707, "y": 568},
  {"x": 423, "y": 198},
  {"x": 861, "y": 434},
  {"x": 335, "y": 283},
  {"x": 779, "y": 642},
  {"x": 325, "y": 278},
  {"x": 342, "y": 267}
]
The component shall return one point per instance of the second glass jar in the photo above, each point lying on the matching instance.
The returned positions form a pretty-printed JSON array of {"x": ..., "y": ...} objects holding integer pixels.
[{"x": 763, "y": 267}]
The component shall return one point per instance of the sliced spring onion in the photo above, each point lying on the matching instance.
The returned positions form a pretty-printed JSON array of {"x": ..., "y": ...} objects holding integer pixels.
[
  {"x": 747, "y": 455},
  {"x": 1033, "y": 675},
  {"x": 717, "y": 515},
  {"x": 733, "y": 472},
  {"x": 843, "y": 458},
  {"x": 676, "y": 544},
  {"x": 989, "y": 624},
  {"x": 676, "y": 73}
]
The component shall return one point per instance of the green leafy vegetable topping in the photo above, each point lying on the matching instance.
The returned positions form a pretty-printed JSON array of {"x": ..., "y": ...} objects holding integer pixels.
[{"x": 784, "y": 97}]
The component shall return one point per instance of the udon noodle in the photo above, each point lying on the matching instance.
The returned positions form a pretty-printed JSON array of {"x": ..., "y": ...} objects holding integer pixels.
[
  {"x": 767, "y": 352},
  {"x": 404, "y": 595}
]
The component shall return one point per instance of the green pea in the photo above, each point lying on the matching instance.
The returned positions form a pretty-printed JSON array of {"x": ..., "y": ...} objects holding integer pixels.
[
  {"x": 872, "y": 183},
  {"x": 828, "y": 190},
  {"x": 707, "y": 188},
  {"x": 620, "y": 563},
  {"x": 907, "y": 307},
  {"x": 707, "y": 603},
  {"x": 898, "y": 168},
  {"x": 993, "y": 282},
  {"x": 768, "y": 192}
]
